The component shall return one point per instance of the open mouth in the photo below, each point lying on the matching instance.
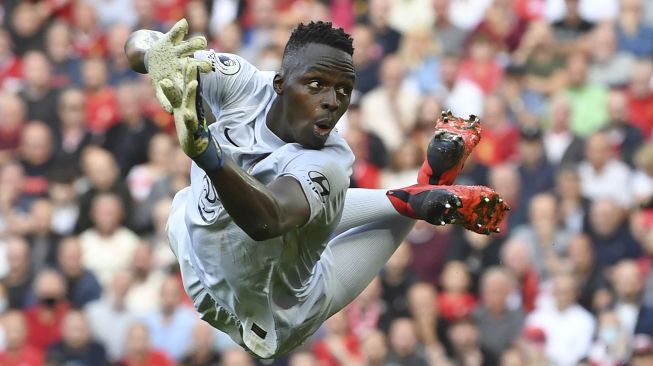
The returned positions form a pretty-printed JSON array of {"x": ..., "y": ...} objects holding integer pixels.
[{"x": 322, "y": 128}]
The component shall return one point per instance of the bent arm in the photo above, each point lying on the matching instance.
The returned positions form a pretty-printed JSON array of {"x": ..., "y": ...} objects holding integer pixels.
[{"x": 263, "y": 212}]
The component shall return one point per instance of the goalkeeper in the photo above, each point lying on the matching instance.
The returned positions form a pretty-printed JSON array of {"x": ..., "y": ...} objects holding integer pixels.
[{"x": 270, "y": 240}]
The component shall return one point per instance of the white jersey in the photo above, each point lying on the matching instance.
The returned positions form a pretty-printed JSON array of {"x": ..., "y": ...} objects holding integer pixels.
[{"x": 266, "y": 292}]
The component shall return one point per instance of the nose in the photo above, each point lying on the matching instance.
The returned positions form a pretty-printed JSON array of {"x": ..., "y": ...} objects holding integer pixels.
[{"x": 329, "y": 100}]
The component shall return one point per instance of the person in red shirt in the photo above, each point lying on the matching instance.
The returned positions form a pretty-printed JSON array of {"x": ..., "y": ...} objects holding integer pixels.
[
  {"x": 640, "y": 98},
  {"x": 481, "y": 67},
  {"x": 102, "y": 109},
  {"x": 455, "y": 301},
  {"x": 18, "y": 352},
  {"x": 500, "y": 138},
  {"x": 339, "y": 347},
  {"x": 45, "y": 318},
  {"x": 139, "y": 352}
]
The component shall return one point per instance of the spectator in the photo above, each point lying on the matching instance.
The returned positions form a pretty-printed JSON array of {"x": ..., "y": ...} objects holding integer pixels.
[
  {"x": 587, "y": 99},
  {"x": 568, "y": 327},
  {"x": 573, "y": 207},
  {"x": 562, "y": 146},
  {"x": 65, "y": 209},
  {"x": 12, "y": 120},
  {"x": 590, "y": 278},
  {"x": 82, "y": 285},
  {"x": 142, "y": 177},
  {"x": 405, "y": 350},
  {"x": 396, "y": 279},
  {"x": 610, "y": 234},
  {"x": 449, "y": 36},
  {"x": 138, "y": 351},
  {"x": 612, "y": 344},
  {"x": 390, "y": 109},
  {"x": 640, "y": 98},
  {"x": 66, "y": 65},
  {"x": 466, "y": 351},
  {"x": 478, "y": 252},
  {"x": 429, "y": 245},
  {"x": 304, "y": 358},
  {"x": 114, "y": 12},
  {"x": 404, "y": 166},
  {"x": 623, "y": 136},
  {"x": 108, "y": 246},
  {"x": 572, "y": 26},
  {"x": 38, "y": 92},
  {"x": 455, "y": 301},
  {"x": 19, "y": 277},
  {"x": 374, "y": 349},
  {"x": 89, "y": 40},
  {"x": 36, "y": 153},
  {"x": 129, "y": 139},
  {"x": 610, "y": 67},
  {"x": 14, "y": 202},
  {"x": 460, "y": 95},
  {"x": 236, "y": 357},
  {"x": 108, "y": 317},
  {"x": 339, "y": 345},
  {"x": 647, "y": 246},
  {"x": 17, "y": 351},
  {"x": 102, "y": 109},
  {"x": 76, "y": 345},
  {"x": 546, "y": 241},
  {"x": 418, "y": 51},
  {"x": 364, "y": 312},
  {"x": 422, "y": 302},
  {"x": 102, "y": 174},
  {"x": 11, "y": 70},
  {"x": 203, "y": 352},
  {"x": 642, "y": 351},
  {"x": 44, "y": 319},
  {"x": 117, "y": 64},
  {"x": 172, "y": 324},
  {"x": 518, "y": 260},
  {"x": 163, "y": 259},
  {"x": 43, "y": 242},
  {"x": 73, "y": 135},
  {"x": 499, "y": 137},
  {"x": 536, "y": 173},
  {"x": 602, "y": 175},
  {"x": 634, "y": 316},
  {"x": 633, "y": 35},
  {"x": 481, "y": 66},
  {"x": 499, "y": 325},
  {"x": 379, "y": 20},
  {"x": 642, "y": 181},
  {"x": 144, "y": 293}
]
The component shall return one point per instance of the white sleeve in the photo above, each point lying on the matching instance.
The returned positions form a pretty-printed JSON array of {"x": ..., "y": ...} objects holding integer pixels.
[
  {"x": 229, "y": 81},
  {"x": 323, "y": 179}
]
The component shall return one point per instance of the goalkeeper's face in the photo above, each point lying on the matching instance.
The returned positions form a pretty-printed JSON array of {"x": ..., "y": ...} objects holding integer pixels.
[{"x": 315, "y": 89}]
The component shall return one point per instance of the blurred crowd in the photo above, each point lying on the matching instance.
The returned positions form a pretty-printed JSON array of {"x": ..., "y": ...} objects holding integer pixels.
[{"x": 564, "y": 88}]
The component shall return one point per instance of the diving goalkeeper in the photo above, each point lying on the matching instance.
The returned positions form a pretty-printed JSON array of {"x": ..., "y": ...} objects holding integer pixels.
[{"x": 270, "y": 240}]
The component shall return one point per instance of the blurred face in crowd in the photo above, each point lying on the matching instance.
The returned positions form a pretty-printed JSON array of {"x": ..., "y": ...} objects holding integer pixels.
[
  {"x": 263, "y": 13},
  {"x": 580, "y": 253},
  {"x": 564, "y": 291},
  {"x": 58, "y": 42},
  {"x": 160, "y": 150},
  {"x": 142, "y": 260},
  {"x": 577, "y": 70},
  {"x": 120, "y": 284},
  {"x": 455, "y": 277},
  {"x": 24, "y": 22},
  {"x": 374, "y": 347},
  {"x": 392, "y": 72},
  {"x": 15, "y": 330},
  {"x": 449, "y": 66},
  {"x": 236, "y": 357},
  {"x": 170, "y": 295},
  {"x": 616, "y": 106},
  {"x": 138, "y": 341},
  {"x": 69, "y": 257},
  {"x": 5, "y": 43},
  {"x": 230, "y": 37},
  {"x": 422, "y": 301},
  {"x": 494, "y": 112},
  {"x": 543, "y": 209},
  {"x": 75, "y": 331},
  {"x": 464, "y": 336},
  {"x": 403, "y": 337},
  {"x": 560, "y": 112},
  {"x": 605, "y": 217},
  {"x": 598, "y": 151},
  {"x": 568, "y": 184},
  {"x": 36, "y": 70},
  {"x": 18, "y": 256},
  {"x": 100, "y": 168},
  {"x": 84, "y": 17},
  {"x": 107, "y": 213},
  {"x": 302, "y": 359},
  {"x": 197, "y": 16},
  {"x": 130, "y": 102},
  {"x": 49, "y": 288},
  {"x": 379, "y": 11},
  {"x": 517, "y": 257},
  {"x": 604, "y": 42},
  {"x": 94, "y": 74},
  {"x": 496, "y": 286},
  {"x": 203, "y": 336},
  {"x": 609, "y": 327},
  {"x": 36, "y": 143},
  {"x": 41, "y": 216},
  {"x": 116, "y": 37},
  {"x": 400, "y": 259},
  {"x": 371, "y": 293},
  {"x": 640, "y": 80},
  {"x": 481, "y": 50},
  {"x": 627, "y": 281},
  {"x": 13, "y": 112},
  {"x": 512, "y": 357},
  {"x": 531, "y": 151},
  {"x": 72, "y": 109}
]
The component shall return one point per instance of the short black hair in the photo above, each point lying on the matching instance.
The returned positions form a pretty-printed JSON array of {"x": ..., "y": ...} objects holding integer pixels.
[{"x": 319, "y": 32}]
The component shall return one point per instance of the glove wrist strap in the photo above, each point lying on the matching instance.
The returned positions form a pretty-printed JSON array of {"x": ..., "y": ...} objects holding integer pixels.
[{"x": 212, "y": 159}]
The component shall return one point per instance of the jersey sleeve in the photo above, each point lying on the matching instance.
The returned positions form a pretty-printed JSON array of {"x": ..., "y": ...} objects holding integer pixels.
[
  {"x": 323, "y": 179},
  {"x": 229, "y": 81}
]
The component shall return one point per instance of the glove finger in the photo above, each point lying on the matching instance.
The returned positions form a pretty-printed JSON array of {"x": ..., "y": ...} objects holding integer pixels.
[
  {"x": 189, "y": 95},
  {"x": 178, "y": 31},
  {"x": 204, "y": 66},
  {"x": 163, "y": 99},
  {"x": 188, "y": 47},
  {"x": 172, "y": 94},
  {"x": 190, "y": 72}
]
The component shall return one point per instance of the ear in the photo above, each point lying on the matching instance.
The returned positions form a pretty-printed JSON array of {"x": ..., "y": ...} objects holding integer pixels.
[{"x": 277, "y": 83}]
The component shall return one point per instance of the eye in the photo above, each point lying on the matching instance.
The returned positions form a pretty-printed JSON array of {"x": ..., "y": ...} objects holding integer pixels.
[
  {"x": 314, "y": 84},
  {"x": 343, "y": 91}
]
